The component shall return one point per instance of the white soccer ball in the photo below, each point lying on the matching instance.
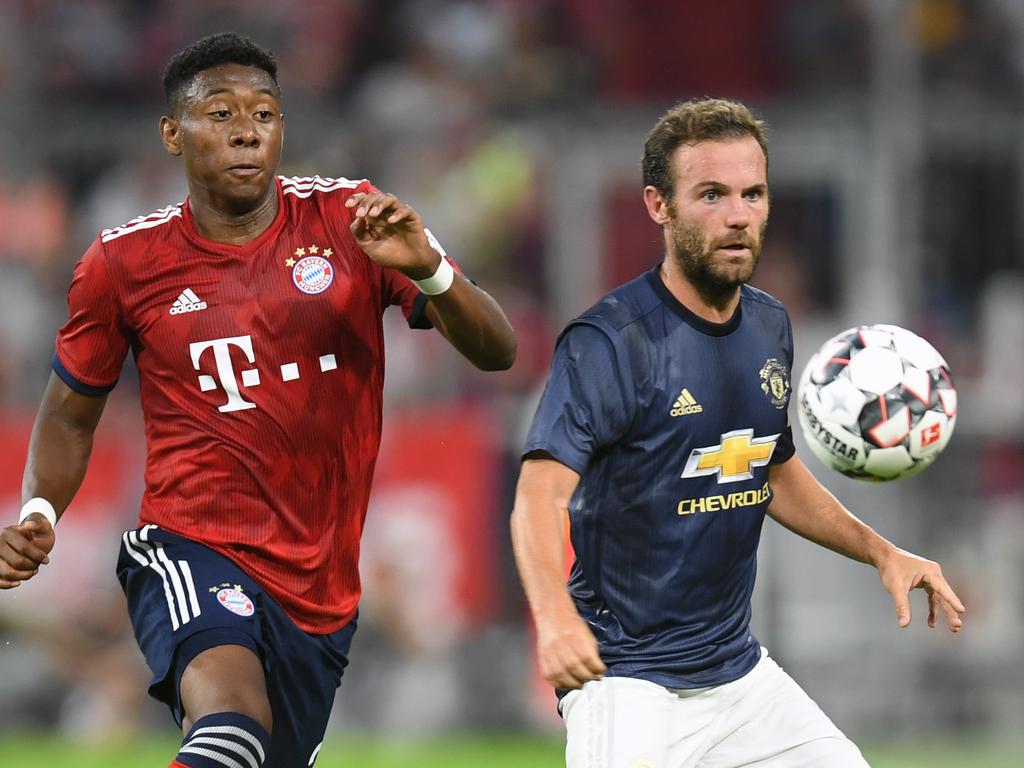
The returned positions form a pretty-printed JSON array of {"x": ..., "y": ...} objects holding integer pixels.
[{"x": 877, "y": 402}]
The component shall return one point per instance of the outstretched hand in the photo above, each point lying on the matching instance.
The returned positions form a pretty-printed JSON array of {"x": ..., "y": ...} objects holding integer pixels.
[
  {"x": 392, "y": 234},
  {"x": 23, "y": 549},
  {"x": 903, "y": 571}
]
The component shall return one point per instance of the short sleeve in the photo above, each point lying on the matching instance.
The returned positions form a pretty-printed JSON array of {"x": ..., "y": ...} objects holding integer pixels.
[
  {"x": 587, "y": 403},
  {"x": 92, "y": 344},
  {"x": 784, "y": 448}
]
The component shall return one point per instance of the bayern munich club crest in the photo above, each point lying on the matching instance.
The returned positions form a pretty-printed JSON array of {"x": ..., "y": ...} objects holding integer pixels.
[
  {"x": 312, "y": 272},
  {"x": 236, "y": 601}
]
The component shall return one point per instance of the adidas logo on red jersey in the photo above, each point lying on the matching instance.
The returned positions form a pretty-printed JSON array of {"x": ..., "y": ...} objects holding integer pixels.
[{"x": 187, "y": 302}]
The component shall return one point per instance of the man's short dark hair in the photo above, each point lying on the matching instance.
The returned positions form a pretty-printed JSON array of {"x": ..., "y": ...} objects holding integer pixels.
[
  {"x": 212, "y": 51},
  {"x": 692, "y": 122}
]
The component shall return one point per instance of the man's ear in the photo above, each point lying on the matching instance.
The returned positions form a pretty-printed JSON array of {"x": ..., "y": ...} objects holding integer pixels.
[
  {"x": 657, "y": 206},
  {"x": 170, "y": 134}
]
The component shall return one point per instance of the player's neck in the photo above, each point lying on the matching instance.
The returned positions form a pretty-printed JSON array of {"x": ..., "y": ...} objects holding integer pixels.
[
  {"x": 218, "y": 222},
  {"x": 715, "y": 307}
]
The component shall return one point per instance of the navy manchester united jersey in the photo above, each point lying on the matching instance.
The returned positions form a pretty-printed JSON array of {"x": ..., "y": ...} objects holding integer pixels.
[{"x": 672, "y": 423}]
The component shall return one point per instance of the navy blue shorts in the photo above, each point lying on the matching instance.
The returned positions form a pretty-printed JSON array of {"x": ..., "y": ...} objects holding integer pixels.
[{"x": 184, "y": 598}]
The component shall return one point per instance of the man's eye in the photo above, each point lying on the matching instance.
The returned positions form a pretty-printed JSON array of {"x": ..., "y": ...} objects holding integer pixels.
[
  {"x": 711, "y": 195},
  {"x": 221, "y": 114},
  {"x": 264, "y": 114}
]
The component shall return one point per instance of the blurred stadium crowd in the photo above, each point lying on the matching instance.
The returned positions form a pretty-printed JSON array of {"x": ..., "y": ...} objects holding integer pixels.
[{"x": 515, "y": 127}]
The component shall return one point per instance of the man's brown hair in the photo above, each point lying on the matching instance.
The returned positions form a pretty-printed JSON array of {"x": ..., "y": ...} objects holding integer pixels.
[{"x": 692, "y": 122}]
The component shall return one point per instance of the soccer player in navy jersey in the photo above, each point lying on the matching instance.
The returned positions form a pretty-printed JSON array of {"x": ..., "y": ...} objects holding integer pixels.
[
  {"x": 253, "y": 311},
  {"x": 663, "y": 436}
]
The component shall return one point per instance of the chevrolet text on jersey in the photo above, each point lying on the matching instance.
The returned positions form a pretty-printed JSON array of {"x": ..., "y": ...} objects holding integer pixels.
[{"x": 721, "y": 502}]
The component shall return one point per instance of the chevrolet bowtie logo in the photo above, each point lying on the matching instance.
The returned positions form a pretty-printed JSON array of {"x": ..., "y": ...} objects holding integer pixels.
[{"x": 734, "y": 459}]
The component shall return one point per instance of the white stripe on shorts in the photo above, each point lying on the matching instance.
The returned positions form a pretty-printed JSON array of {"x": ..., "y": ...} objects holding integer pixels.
[
  {"x": 190, "y": 585},
  {"x": 185, "y": 575},
  {"x": 140, "y": 553},
  {"x": 179, "y": 587}
]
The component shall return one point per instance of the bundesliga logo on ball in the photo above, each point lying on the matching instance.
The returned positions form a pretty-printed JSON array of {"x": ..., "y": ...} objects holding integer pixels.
[{"x": 877, "y": 402}]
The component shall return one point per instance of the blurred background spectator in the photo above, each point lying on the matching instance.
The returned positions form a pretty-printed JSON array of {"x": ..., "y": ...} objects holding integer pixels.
[{"x": 516, "y": 128}]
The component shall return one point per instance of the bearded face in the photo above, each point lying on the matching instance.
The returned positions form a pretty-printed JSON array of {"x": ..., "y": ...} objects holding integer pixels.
[
  {"x": 715, "y": 214},
  {"x": 714, "y": 265}
]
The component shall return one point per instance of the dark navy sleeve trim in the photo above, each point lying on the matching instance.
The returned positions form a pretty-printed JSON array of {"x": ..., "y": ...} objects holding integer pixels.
[
  {"x": 79, "y": 387},
  {"x": 577, "y": 464},
  {"x": 418, "y": 316},
  {"x": 785, "y": 449}
]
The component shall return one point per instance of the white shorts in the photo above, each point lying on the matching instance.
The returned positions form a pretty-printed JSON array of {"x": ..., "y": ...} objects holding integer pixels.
[{"x": 764, "y": 719}]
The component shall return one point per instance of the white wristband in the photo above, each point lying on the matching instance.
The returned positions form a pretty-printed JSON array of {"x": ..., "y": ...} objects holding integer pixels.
[
  {"x": 40, "y": 505},
  {"x": 439, "y": 282}
]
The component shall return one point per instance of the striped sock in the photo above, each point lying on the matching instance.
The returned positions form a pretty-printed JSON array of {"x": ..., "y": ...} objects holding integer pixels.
[{"x": 224, "y": 740}]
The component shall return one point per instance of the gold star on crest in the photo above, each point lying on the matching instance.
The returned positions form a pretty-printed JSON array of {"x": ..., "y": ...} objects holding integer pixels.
[
  {"x": 314, "y": 249},
  {"x": 289, "y": 262},
  {"x": 300, "y": 251},
  {"x": 327, "y": 253}
]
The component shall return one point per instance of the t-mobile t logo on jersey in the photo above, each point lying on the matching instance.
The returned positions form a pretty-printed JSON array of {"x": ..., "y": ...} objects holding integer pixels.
[
  {"x": 225, "y": 371},
  {"x": 250, "y": 377}
]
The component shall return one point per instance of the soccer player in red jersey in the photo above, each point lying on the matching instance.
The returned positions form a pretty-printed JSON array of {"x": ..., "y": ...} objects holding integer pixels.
[{"x": 253, "y": 311}]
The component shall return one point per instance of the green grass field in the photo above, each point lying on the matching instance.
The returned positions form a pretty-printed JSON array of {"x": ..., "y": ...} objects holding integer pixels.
[{"x": 467, "y": 752}]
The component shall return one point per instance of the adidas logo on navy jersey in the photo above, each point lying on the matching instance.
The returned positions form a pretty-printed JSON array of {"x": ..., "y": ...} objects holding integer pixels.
[
  {"x": 685, "y": 404},
  {"x": 187, "y": 302}
]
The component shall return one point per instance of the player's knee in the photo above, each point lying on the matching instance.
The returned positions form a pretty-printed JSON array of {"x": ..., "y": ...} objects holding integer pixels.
[{"x": 226, "y": 678}]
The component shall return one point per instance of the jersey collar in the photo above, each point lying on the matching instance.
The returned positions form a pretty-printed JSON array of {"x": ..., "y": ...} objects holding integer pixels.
[
  {"x": 244, "y": 249},
  {"x": 694, "y": 321}
]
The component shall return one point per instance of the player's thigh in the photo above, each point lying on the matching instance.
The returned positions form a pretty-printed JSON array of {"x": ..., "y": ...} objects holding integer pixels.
[
  {"x": 302, "y": 677},
  {"x": 775, "y": 724},
  {"x": 617, "y": 722},
  {"x": 184, "y": 599},
  {"x": 225, "y": 678}
]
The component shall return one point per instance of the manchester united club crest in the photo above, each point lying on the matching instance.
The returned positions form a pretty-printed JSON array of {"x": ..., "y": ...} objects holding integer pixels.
[
  {"x": 311, "y": 270},
  {"x": 775, "y": 382}
]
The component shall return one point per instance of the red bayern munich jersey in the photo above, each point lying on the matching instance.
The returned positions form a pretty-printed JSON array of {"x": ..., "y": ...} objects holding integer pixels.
[{"x": 261, "y": 372}]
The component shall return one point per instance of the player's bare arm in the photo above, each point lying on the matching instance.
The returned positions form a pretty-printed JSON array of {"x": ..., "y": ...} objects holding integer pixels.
[
  {"x": 58, "y": 454},
  {"x": 566, "y": 648},
  {"x": 391, "y": 233},
  {"x": 804, "y": 506}
]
